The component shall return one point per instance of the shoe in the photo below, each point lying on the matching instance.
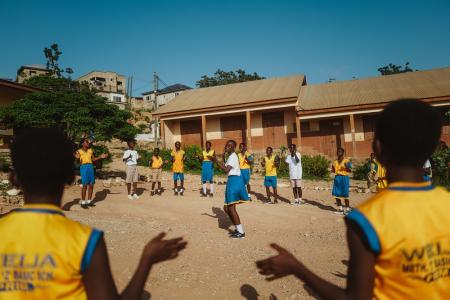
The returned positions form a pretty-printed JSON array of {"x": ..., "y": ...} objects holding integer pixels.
[
  {"x": 152, "y": 193},
  {"x": 181, "y": 193},
  {"x": 175, "y": 193},
  {"x": 203, "y": 194},
  {"x": 158, "y": 192},
  {"x": 233, "y": 232},
  {"x": 238, "y": 235},
  {"x": 295, "y": 203},
  {"x": 301, "y": 202},
  {"x": 84, "y": 206},
  {"x": 91, "y": 204},
  {"x": 135, "y": 196},
  {"x": 211, "y": 195},
  {"x": 339, "y": 212},
  {"x": 130, "y": 197}
]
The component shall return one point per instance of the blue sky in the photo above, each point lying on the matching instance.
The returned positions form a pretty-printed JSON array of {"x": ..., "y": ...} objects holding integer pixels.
[{"x": 183, "y": 40}]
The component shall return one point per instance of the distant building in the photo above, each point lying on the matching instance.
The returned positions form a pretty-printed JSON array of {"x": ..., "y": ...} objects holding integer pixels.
[
  {"x": 28, "y": 71},
  {"x": 164, "y": 95},
  {"x": 139, "y": 103},
  {"x": 107, "y": 84}
]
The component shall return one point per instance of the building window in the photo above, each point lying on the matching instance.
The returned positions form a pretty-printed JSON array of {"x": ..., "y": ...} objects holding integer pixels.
[
  {"x": 119, "y": 82},
  {"x": 117, "y": 99},
  {"x": 32, "y": 73}
]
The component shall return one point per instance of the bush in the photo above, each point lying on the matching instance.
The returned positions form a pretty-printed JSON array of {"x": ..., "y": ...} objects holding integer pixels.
[
  {"x": 314, "y": 167},
  {"x": 360, "y": 172},
  {"x": 146, "y": 156},
  {"x": 4, "y": 165},
  {"x": 439, "y": 162}
]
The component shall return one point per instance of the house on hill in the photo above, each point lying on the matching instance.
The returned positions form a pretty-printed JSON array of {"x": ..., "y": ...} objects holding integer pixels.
[
  {"x": 163, "y": 96},
  {"x": 319, "y": 118},
  {"x": 28, "y": 71}
]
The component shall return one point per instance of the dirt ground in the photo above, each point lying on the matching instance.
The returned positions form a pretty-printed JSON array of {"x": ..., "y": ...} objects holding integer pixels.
[{"x": 214, "y": 266}]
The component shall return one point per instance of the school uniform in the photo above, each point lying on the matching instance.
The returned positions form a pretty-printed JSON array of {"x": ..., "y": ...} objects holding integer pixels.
[
  {"x": 295, "y": 169},
  {"x": 86, "y": 167},
  {"x": 155, "y": 165},
  {"x": 381, "y": 173},
  {"x": 427, "y": 165},
  {"x": 178, "y": 165},
  {"x": 244, "y": 166},
  {"x": 270, "y": 180},
  {"x": 407, "y": 226},
  {"x": 207, "y": 166},
  {"x": 341, "y": 184},
  {"x": 131, "y": 170},
  {"x": 43, "y": 254},
  {"x": 235, "y": 191}
]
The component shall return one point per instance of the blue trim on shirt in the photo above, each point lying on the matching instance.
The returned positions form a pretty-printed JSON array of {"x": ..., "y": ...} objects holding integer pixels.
[
  {"x": 39, "y": 210},
  {"x": 365, "y": 225},
  {"x": 411, "y": 188},
  {"x": 90, "y": 248}
]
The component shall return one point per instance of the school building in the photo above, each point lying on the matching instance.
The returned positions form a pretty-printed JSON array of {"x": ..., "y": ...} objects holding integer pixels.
[{"x": 319, "y": 118}]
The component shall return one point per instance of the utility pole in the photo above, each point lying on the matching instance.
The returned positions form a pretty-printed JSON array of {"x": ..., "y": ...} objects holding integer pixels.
[{"x": 155, "y": 105}]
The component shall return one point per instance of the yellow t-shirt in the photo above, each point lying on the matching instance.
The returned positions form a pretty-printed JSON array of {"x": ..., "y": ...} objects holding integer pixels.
[
  {"x": 341, "y": 168},
  {"x": 86, "y": 156},
  {"x": 242, "y": 162},
  {"x": 206, "y": 154},
  {"x": 271, "y": 169},
  {"x": 381, "y": 173},
  {"x": 408, "y": 226},
  {"x": 178, "y": 164},
  {"x": 44, "y": 254},
  {"x": 156, "y": 162}
]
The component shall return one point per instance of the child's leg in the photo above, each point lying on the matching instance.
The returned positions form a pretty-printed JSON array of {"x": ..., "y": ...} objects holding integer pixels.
[
  {"x": 299, "y": 193},
  {"x": 235, "y": 218},
  {"x": 90, "y": 192},
  {"x": 204, "y": 188},
  {"x": 347, "y": 204},
  {"x": 129, "y": 188},
  {"x": 275, "y": 195},
  {"x": 268, "y": 193},
  {"x": 339, "y": 204},
  {"x": 83, "y": 193},
  {"x": 211, "y": 187},
  {"x": 153, "y": 185},
  {"x": 248, "y": 188},
  {"x": 294, "y": 191},
  {"x": 159, "y": 186},
  {"x": 182, "y": 186},
  {"x": 135, "y": 188},
  {"x": 175, "y": 185}
]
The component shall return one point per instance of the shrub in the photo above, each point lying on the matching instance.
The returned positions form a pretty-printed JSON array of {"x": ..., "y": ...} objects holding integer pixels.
[
  {"x": 314, "y": 167},
  {"x": 360, "y": 172},
  {"x": 439, "y": 162},
  {"x": 4, "y": 165}
]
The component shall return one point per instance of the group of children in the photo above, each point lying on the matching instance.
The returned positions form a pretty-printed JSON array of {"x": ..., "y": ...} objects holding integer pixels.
[{"x": 398, "y": 239}]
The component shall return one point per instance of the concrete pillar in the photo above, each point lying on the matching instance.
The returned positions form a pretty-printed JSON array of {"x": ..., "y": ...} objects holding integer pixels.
[
  {"x": 299, "y": 133},
  {"x": 163, "y": 134},
  {"x": 248, "y": 119},
  {"x": 204, "y": 131},
  {"x": 352, "y": 128}
]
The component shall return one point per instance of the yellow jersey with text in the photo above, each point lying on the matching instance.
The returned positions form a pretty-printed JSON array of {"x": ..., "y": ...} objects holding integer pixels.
[
  {"x": 206, "y": 154},
  {"x": 86, "y": 156},
  {"x": 381, "y": 173},
  {"x": 271, "y": 169},
  {"x": 156, "y": 162},
  {"x": 343, "y": 167},
  {"x": 43, "y": 254},
  {"x": 243, "y": 164},
  {"x": 178, "y": 164},
  {"x": 407, "y": 226}
]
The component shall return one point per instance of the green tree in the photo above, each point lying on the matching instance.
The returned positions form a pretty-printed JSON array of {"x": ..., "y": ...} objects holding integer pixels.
[
  {"x": 74, "y": 112},
  {"x": 52, "y": 55},
  {"x": 221, "y": 77},
  {"x": 50, "y": 83},
  {"x": 394, "y": 69}
]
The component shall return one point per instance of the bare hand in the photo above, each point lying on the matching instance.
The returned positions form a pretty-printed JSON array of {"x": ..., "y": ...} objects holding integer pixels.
[
  {"x": 278, "y": 266},
  {"x": 159, "y": 250},
  {"x": 104, "y": 155},
  {"x": 212, "y": 158}
]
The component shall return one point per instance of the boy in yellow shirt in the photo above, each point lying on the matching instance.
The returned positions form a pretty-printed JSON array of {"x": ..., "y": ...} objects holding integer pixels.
[
  {"x": 178, "y": 169},
  {"x": 45, "y": 255},
  {"x": 156, "y": 165},
  {"x": 271, "y": 162},
  {"x": 399, "y": 239}
]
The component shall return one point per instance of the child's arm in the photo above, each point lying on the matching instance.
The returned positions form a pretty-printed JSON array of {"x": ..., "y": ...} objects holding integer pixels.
[
  {"x": 361, "y": 270},
  {"x": 263, "y": 162},
  {"x": 102, "y": 156},
  {"x": 224, "y": 168},
  {"x": 277, "y": 161},
  {"x": 98, "y": 280}
]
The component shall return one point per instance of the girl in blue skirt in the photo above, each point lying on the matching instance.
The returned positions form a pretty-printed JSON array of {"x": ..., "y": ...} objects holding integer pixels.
[
  {"x": 341, "y": 168},
  {"x": 235, "y": 191},
  {"x": 207, "y": 169}
]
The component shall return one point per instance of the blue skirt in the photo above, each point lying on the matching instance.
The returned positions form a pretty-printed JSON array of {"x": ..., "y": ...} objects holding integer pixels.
[
  {"x": 207, "y": 171},
  {"x": 245, "y": 174},
  {"x": 235, "y": 191},
  {"x": 341, "y": 186},
  {"x": 87, "y": 174}
]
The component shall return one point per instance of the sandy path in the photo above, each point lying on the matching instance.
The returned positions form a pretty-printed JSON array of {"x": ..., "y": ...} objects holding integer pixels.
[{"x": 215, "y": 266}]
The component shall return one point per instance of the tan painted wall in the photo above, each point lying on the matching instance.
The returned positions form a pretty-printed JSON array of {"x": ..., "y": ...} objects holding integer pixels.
[
  {"x": 213, "y": 131},
  {"x": 289, "y": 120},
  {"x": 25, "y": 74},
  {"x": 256, "y": 124},
  {"x": 359, "y": 131},
  {"x": 172, "y": 132},
  {"x": 111, "y": 83}
]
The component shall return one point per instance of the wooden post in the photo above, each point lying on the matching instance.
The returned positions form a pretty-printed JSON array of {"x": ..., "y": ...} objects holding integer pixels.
[
  {"x": 204, "y": 131},
  {"x": 163, "y": 133},
  {"x": 352, "y": 128},
  {"x": 248, "y": 118},
  {"x": 299, "y": 133}
]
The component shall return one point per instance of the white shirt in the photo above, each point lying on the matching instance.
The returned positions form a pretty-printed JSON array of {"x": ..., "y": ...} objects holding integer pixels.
[
  {"x": 133, "y": 159},
  {"x": 295, "y": 169},
  {"x": 233, "y": 162}
]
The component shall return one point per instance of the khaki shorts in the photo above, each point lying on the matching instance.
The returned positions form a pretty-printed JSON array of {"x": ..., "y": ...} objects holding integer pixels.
[
  {"x": 296, "y": 183},
  {"x": 155, "y": 175},
  {"x": 132, "y": 174}
]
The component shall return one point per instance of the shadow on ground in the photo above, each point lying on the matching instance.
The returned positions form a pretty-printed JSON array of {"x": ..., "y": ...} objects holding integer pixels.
[
  {"x": 320, "y": 205},
  {"x": 223, "y": 221},
  {"x": 250, "y": 293}
]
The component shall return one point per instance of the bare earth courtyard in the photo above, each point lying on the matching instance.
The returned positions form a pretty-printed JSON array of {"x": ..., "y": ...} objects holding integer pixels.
[{"x": 215, "y": 266}]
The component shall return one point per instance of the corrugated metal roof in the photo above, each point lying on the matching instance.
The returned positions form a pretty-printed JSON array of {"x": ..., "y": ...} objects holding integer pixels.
[
  {"x": 418, "y": 85},
  {"x": 236, "y": 93}
]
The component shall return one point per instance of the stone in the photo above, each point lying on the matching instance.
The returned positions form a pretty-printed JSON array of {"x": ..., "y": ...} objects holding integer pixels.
[
  {"x": 13, "y": 192},
  {"x": 5, "y": 181}
]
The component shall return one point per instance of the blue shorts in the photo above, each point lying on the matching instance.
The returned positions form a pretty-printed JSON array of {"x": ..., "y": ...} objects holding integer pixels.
[
  {"x": 270, "y": 181},
  {"x": 235, "y": 191},
  {"x": 207, "y": 171},
  {"x": 245, "y": 174},
  {"x": 178, "y": 176},
  {"x": 341, "y": 187},
  {"x": 426, "y": 178},
  {"x": 87, "y": 174}
]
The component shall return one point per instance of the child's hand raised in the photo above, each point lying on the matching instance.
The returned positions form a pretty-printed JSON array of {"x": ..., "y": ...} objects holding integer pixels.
[
  {"x": 159, "y": 250},
  {"x": 279, "y": 265}
]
